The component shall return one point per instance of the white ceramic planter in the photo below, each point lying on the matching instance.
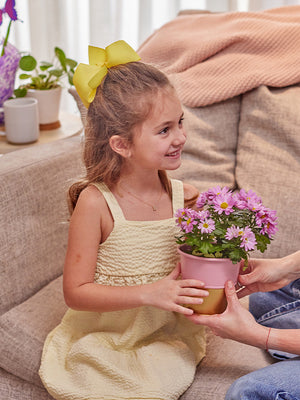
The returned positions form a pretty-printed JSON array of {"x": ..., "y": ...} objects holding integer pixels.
[{"x": 48, "y": 104}]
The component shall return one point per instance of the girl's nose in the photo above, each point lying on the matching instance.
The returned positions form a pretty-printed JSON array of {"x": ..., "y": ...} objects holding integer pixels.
[{"x": 180, "y": 137}]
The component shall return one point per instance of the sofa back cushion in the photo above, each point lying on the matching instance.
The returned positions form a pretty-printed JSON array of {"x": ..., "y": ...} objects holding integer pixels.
[
  {"x": 34, "y": 216},
  {"x": 268, "y": 158},
  {"x": 209, "y": 155}
]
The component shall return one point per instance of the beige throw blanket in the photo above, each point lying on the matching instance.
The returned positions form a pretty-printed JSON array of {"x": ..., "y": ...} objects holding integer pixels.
[{"x": 213, "y": 57}]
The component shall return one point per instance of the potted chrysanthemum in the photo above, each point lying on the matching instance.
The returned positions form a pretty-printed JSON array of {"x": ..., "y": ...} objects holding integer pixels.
[{"x": 222, "y": 231}]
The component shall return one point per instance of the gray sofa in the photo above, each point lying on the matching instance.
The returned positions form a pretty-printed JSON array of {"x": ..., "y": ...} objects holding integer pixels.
[{"x": 249, "y": 141}]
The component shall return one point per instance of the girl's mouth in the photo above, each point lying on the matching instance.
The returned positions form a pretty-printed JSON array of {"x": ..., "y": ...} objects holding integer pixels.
[{"x": 174, "y": 154}]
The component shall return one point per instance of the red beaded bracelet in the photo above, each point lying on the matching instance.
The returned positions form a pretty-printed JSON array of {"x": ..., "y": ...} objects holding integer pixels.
[{"x": 269, "y": 331}]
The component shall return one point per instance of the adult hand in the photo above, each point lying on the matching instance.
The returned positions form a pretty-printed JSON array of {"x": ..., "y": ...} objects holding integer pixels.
[
  {"x": 171, "y": 293},
  {"x": 235, "y": 322},
  {"x": 265, "y": 275}
]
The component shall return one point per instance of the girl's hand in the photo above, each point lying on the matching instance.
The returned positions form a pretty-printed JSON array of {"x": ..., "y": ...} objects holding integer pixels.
[
  {"x": 235, "y": 322},
  {"x": 171, "y": 293}
]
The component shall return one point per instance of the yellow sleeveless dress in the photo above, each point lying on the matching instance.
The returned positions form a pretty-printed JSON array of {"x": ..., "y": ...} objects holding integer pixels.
[{"x": 141, "y": 353}]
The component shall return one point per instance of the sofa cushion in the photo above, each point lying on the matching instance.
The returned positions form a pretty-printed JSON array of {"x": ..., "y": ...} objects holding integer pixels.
[
  {"x": 81, "y": 107},
  {"x": 34, "y": 216},
  {"x": 14, "y": 388},
  {"x": 209, "y": 155},
  {"x": 224, "y": 362},
  {"x": 268, "y": 158},
  {"x": 24, "y": 328}
]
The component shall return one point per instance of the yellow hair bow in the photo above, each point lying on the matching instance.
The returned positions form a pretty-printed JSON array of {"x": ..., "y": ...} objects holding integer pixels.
[{"x": 88, "y": 77}]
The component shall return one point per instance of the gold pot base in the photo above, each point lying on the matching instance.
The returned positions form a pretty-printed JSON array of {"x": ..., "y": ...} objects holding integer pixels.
[{"x": 215, "y": 303}]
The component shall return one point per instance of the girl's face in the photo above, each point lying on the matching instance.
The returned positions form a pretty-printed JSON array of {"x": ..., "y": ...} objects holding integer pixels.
[{"x": 158, "y": 141}]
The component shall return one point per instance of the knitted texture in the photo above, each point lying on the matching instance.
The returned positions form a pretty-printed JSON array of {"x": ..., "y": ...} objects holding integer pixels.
[
  {"x": 141, "y": 353},
  {"x": 213, "y": 57}
]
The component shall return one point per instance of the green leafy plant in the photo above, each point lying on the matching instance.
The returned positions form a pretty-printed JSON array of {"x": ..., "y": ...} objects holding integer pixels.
[{"x": 45, "y": 75}]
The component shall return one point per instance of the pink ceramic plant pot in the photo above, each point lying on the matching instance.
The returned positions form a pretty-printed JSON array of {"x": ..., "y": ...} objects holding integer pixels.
[{"x": 214, "y": 272}]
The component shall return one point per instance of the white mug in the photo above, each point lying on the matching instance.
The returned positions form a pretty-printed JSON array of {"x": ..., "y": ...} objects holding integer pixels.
[{"x": 21, "y": 120}]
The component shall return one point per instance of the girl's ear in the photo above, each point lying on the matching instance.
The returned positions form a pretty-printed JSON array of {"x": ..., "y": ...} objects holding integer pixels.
[{"x": 120, "y": 146}]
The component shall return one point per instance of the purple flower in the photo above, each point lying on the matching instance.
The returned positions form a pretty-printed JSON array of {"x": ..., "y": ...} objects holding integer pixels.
[
  {"x": 207, "y": 226},
  {"x": 223, "y": 203},
  {"x": 203, "y": 214},
  {"x": 269, "y": 229},
  {"x": 9, "y": 9},
  {"x": 247, "y": 200},
  {"x": 216, "y": 191},
  {"x": 185, "y": 219},
  {"x": 248, "y": 239},
  {"x": 202, "y": 199},
  {"x": 233, "y": 232},
  {"x": 266, "y": 220},
  {"x": 250, "y": 195}
]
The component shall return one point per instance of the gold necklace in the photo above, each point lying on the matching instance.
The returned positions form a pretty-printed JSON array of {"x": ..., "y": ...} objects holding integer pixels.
[{"x": 153, "y": 206}]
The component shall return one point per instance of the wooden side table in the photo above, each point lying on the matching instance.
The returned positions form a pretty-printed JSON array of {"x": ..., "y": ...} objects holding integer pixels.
[{"x": 71, "y": 125}]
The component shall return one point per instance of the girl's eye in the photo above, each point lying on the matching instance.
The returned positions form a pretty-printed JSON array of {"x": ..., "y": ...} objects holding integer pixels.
[
  {"x": 164, "y": 131},
  {"x": 181, "y": 121}
]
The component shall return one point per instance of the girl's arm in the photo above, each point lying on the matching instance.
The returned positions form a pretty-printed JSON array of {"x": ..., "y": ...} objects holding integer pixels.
[
  {"x": 238, "y": 324},
  {"x": 91, "y": 224}
]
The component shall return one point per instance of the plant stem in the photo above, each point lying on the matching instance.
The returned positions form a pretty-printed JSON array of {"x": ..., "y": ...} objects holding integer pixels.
[{"x": 6, "y": 39}]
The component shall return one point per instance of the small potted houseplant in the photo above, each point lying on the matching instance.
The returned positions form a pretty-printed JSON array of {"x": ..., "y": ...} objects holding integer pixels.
[
  {"x": 221, "y": 232},
  {"x": 44, "y": 82}
]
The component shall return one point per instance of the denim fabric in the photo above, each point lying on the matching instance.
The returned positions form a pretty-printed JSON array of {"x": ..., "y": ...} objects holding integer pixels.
[
  {"x": 278, "y": 309},
  {"x": 280, "y": 381}
]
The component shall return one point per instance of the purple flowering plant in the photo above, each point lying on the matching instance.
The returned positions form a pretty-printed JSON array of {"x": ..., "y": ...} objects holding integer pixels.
[
  {"x": 226, "y": 224},
  {"x": 10, "y": 11}
]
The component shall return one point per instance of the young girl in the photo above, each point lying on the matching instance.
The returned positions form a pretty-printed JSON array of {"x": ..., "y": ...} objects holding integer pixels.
[{"x": 125, "y": 335}]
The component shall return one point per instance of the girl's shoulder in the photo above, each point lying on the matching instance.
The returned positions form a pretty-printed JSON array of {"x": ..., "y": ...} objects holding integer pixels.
[
  {"x": 91, "y": 200},
  {"x": 91, "y": 195},
  {"x": 92, "y": 210}
]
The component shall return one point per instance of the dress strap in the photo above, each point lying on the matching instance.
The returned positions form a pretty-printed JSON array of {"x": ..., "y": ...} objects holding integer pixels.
[
  {"x": 177, "y": 194},
  {"x": 111, "y": 201}
]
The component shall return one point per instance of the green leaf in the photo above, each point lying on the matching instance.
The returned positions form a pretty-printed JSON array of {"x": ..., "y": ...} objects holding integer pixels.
[
  {"x": 61, "y": 57},
  {"x": 262, "y": 242},
  {"x": 218, "y": 254},
  {"x": 70, "y": 77},
  {"x": 71, "y": 63},
  {"x": 219, "y": 231},
  {"x": 24, "y": 76},
  {"x": 27, "y": 63},
  {"x": 55, "y": 72},
  {"x": 44, "y": 65},
  {"x": 236, "y": 255},
  {"x": 206, "y": 247},
  {"x": 20, "y": 92}
]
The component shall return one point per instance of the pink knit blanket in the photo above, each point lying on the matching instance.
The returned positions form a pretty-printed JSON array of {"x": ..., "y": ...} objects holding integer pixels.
[{"x": 213, "y": 57}]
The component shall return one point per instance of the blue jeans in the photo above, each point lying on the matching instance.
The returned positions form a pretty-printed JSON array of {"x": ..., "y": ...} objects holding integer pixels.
[{"x": 279, "y": 381}]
